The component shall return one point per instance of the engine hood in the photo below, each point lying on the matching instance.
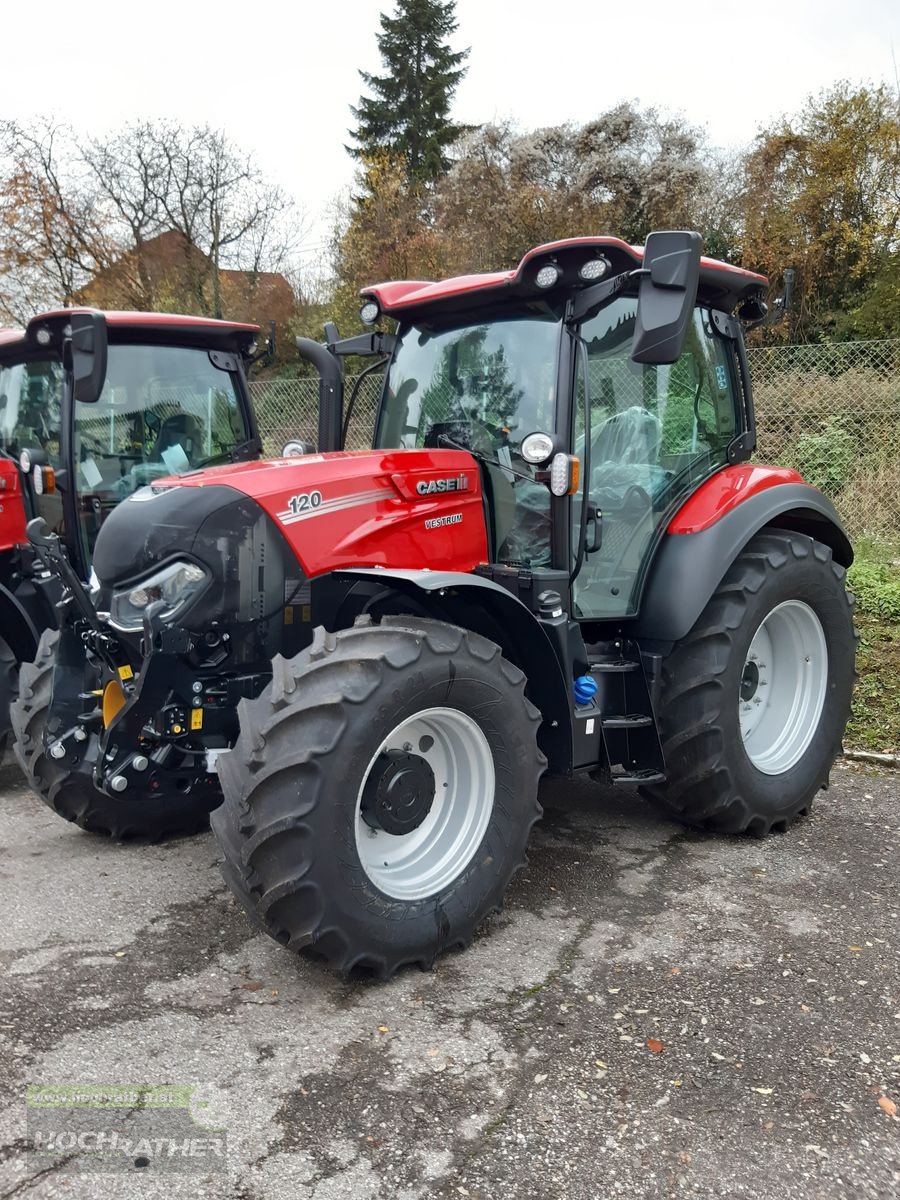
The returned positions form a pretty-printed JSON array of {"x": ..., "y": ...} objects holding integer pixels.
[{"x": 400, "y": 508}]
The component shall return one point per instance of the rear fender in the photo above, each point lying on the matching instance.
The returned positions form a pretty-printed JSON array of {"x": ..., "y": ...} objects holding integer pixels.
[
  {"x": 688, "y": 567},
  {"x": 472, "y": 603}
]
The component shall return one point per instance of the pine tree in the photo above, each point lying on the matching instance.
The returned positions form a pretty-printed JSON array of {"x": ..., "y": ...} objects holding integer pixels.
[{"x": 408, "y": 112}]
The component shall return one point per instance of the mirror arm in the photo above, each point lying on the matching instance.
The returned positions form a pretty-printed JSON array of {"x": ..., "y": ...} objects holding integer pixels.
[
  {"x": 589, "y": 302},
  {"x": 365, "y": 345}
]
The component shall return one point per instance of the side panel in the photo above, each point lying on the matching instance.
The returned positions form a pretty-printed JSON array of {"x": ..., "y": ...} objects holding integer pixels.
[
  {"x": 401, "y": 509},
  {"x": 689, "y": 566}
]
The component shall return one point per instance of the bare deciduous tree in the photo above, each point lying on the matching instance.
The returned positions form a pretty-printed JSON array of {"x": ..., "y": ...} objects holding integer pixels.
[{"x": 77, "y": 212}]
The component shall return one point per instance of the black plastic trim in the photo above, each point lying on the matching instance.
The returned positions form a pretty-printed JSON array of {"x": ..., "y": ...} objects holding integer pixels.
[
  {"x": 482, "y": 605},
  {"x": 331, "y": 392}
]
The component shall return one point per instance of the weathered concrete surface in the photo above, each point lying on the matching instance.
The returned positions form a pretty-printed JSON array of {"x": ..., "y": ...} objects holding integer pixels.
[{"x": 767, "y": 971}]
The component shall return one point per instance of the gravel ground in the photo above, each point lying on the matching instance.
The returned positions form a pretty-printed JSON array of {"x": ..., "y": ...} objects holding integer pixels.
[{"x": 655, "y": 1013}]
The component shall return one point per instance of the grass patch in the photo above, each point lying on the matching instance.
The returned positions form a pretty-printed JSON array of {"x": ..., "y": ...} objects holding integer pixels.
[{"x": 875, "y": 580}]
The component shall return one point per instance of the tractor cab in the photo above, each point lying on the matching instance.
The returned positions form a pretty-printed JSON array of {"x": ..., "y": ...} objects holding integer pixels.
[
  {"x": 587, "y": 439},
  {"x": 95, "y": 405}
]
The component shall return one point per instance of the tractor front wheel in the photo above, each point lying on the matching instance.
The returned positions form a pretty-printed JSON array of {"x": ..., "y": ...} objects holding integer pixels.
[
  {"x": 381, "y": 793},
  {"x": 9, "y": 686},
  {"x": 72, "y": 794},
  {"x": 756, "y": 697}
]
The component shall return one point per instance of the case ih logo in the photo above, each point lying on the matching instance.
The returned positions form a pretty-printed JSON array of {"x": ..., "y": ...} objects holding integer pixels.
[{"x": 459, "y": 483}]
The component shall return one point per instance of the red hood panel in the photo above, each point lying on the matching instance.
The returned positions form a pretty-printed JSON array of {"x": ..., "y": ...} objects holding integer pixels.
[{"x": 394, "y": 508}]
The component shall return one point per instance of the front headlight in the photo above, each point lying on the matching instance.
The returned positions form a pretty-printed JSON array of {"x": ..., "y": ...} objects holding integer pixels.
[{"x": 178, "y": 583}]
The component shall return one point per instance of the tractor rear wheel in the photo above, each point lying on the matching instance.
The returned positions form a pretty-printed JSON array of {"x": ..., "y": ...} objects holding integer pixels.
[
  {"x": 381, "y": 793},
  {"x": 71, "y": 794},
  {"x": 756, "y": 697}
]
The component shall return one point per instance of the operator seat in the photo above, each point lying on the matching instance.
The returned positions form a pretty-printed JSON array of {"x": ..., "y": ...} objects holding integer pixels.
[
  {"x": 626, "y": 438},
  {"x": 179, "y": 429}
]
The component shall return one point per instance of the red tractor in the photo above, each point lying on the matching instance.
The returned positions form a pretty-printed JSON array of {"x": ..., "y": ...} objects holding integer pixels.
[
  {"x": 175, "y": 399},
  {"x": 556, "y": 557}
]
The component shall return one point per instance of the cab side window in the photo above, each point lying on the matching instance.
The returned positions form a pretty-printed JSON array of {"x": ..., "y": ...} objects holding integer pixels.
[{"x": 654, "y": 432}]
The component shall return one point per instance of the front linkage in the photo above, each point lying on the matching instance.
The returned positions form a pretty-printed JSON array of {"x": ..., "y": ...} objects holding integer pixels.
[{"x": 137, "y": 729}]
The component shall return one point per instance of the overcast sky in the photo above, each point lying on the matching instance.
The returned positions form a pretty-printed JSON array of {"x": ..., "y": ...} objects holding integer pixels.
[{"x": 279, "y": 76}]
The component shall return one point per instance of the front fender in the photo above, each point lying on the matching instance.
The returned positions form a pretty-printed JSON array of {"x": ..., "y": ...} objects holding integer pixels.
[
  {"x": 485, "y": 607},
  {"x": 688, "y": 567}
]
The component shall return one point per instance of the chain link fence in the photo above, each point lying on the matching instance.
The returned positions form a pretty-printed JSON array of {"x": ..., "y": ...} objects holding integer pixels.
[
  {"x": 289, "y": 408},
  {"x": 832, "y": 412}
]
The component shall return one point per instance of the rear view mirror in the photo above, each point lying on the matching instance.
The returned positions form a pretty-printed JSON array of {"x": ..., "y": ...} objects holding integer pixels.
[
  {"x": 89, "y": 345},
  {"x": 666, "y": 296}
]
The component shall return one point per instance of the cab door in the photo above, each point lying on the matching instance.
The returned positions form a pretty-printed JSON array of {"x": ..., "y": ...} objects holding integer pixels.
[
  {"x": 655, "y": 433},
  {"x": 30, "y": 409}
]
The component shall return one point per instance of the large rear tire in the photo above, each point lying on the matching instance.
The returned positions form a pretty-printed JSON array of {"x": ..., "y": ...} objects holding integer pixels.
[
  {"x": 72, "y": 795},
  {"x": 756, "y": 697},
  {"x": 381, "y": 793}
]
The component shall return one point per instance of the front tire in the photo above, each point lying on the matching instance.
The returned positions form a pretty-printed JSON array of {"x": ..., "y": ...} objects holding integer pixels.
[
  {"x": 9, "y": 687},
  {"x": 756, "y": 697},
  {"x": 381, "y": 793},
  {"x": 71, "y": 794}
]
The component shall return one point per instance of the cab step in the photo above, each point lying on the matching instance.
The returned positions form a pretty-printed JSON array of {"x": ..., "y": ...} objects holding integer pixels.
[
  {"x": 631, "y": 746},
  {"x": 632, "y": 721},
  {"x": 640, "y": 778}
]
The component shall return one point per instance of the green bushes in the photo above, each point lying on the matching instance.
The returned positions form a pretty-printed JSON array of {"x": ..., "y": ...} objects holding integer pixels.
[
  {"x": 833, "y": 413},
  {"x": 826, "y": 459},
  {"x": 876, "y": 586},
  {"x": 875, "y": 580}
]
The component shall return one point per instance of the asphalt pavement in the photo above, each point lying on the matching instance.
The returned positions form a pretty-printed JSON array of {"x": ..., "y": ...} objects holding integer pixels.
[{"x": 655, "y": 1013}]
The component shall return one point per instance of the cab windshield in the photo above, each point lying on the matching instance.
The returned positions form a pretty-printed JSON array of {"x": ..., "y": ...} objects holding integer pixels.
[
  {"x": 164, "y": 410},
  {"x": 481, "y": 387}
]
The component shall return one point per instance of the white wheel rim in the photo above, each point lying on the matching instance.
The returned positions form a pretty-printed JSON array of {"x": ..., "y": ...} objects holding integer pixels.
[
  {"x": 421, "y": 863},
  {"x": 783, "y": 687}
]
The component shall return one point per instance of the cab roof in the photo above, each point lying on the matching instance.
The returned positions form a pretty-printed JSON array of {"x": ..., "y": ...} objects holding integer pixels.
[
  {"x": 168, "y": 329},
  {"x": 721, "y": 284}
]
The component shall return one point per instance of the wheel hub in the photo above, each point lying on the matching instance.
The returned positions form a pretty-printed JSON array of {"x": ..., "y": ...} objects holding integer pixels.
[
  {"x": 425, "y": 803},
  {"x": 749, "y": 681},
  {"x": 399, "y": 792}
]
